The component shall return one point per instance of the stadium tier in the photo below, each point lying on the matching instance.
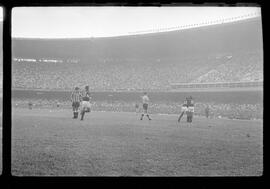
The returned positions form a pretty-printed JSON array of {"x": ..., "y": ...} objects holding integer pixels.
[{"x": 230, "y": 52}]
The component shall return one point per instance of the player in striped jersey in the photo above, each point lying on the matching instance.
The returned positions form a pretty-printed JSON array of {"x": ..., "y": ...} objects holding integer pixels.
[
  {"x": 75, "y": 99},
  {"x": 85, "y": 102}
]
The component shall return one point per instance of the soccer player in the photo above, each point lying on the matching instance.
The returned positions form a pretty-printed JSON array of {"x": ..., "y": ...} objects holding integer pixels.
[
  {"x": 183, "y": 110},
  {"x": 190, "y": 111},
  {"x": 145, "y": 101},
  {"x": 30, "y": 105},
  {"x": 207, "y": 109},
  {"x": 57, "y": 104},
  {"x": 85, "y": 102},
  {"x": 75, "y": 99},
  {"x": 136, "y": 108}
]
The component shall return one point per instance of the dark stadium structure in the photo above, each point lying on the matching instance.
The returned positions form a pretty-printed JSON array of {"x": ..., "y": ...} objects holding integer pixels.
[{"x": 229, "y": 52}]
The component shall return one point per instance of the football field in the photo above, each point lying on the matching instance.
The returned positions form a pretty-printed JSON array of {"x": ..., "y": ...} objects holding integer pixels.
[{"x": 49, "y": 142}]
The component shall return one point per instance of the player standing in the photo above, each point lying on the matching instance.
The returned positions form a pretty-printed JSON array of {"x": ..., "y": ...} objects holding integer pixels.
[
  {"x": 30, "y": 105},
  {"x": 207, "y": 110},
  {"x": 190, "y": 111},
  {"x": 145, "y": 101},
  {"x": 57, "y": 104},
  {"x": 136, "y": 108},
  {"x": 75, "y": 99},
  {"x": 85, "y": 102}
]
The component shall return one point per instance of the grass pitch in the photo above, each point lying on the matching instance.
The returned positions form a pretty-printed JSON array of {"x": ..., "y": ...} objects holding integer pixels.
[{"x": 49, "y": 142}]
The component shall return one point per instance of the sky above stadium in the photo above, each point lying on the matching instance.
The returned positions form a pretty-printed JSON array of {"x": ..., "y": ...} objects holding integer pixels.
[{"x": 79, "y": 22}]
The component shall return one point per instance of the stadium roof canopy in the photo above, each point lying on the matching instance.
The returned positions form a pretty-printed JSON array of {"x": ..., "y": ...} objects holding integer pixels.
[{"x": 242, "y": 35}]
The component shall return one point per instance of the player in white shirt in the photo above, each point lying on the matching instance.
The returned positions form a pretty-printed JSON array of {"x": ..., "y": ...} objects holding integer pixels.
[
  {"x": 145, "y": 101},
  {"x": 183, "y": 110}
]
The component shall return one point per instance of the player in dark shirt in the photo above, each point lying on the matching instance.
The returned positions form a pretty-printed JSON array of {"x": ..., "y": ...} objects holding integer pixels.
[
  {"x": 207, "y": 110},
  {"x": 137, "y": 108},
  {"x": 190, "y": 111},
  {"x": 57, "y": 104},
  {"x": 85, "y": 102},
  {"x": 30, "y": 105},
  {"x": 190, "y": 101}
]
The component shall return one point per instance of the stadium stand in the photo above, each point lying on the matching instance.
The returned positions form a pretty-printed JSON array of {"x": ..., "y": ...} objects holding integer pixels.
[
  {"x": 138, "y": 74},
  {"x": 228, "y": 52}
]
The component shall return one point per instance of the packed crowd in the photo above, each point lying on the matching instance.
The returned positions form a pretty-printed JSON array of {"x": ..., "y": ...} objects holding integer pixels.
[
  {"x": 137, "y": 74},
  {"x": 247, "y": 67}
]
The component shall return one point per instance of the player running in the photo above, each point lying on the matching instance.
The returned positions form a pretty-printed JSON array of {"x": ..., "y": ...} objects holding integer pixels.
[
  {"x": 85, "y": 102},
  {"x": 75, "y": 99},
  {"x": 145, "y": 101},
  {"x": 183, "y": 110},
  {"x": 136, "y": 108}
]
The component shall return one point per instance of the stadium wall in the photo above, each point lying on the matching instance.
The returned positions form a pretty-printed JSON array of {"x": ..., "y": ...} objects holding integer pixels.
[
  {"x": 219, "y": 86},
  {"x": 236, "y": 86}
]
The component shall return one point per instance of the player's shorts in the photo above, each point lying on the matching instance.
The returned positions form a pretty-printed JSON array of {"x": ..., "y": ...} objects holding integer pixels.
[
  {"x": 75, "y": 104},
  {"x": 86, "y": 104},
  {"x": 191, "y": 109},
  {"x": 189, "y": 113},
  {"x": 145, "y": 106},
  {"x": 184, "y": 109}
]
